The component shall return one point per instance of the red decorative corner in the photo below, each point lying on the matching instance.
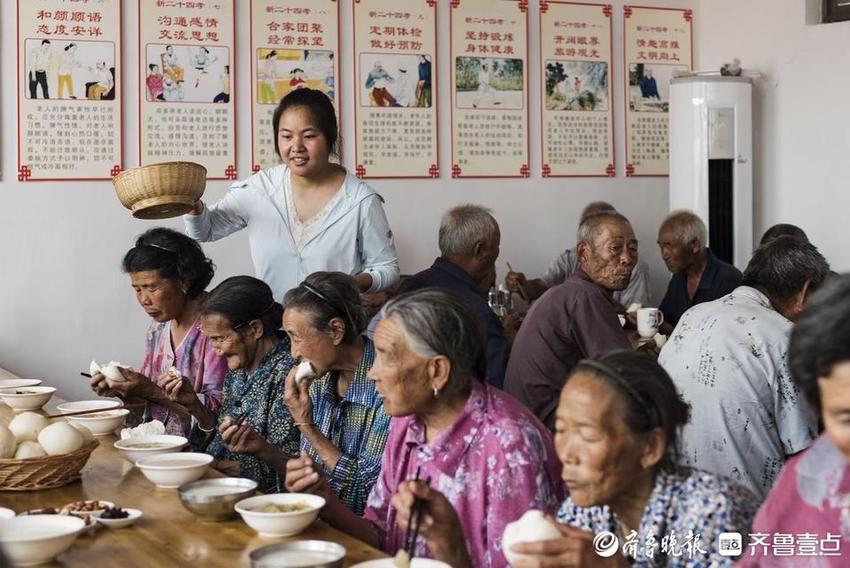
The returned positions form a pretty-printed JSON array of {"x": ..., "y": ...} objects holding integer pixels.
[
  {"x": 630, "y": 170},
  {"x": 525, "y": 171},
  {"x": 434, "y": 171},
  {"x": 546, "y": 170},
  {"x": 455, "y": 3},
  {"x": 116, "y": 169},
  {"x": 456, "y": 171},
  {"x": 544, "y": 6},
  {"x": 230, "y": 172},
  {"x": 610, "y": 171},
  {"x": 24, "y": 173},
  {"x": 523, "y": 6},
  {"x": 689, "y": 15},
  {"x": 607, "y": 10},
  {"x": 255, "y": 168},
  {"x": 360, "y": 170},
  {"x": 627, "y": 11}
]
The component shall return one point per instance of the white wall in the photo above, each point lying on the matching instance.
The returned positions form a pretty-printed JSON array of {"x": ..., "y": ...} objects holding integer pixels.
[
  {"x": 64, "y": 301},
  {"x": 801, "y": 137}
]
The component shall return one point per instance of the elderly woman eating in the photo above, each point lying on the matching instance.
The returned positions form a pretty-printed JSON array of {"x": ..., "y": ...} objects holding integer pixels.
[
  {"x": 616, "y": 433},
  {"x": 169, "y": 273},
  {"x": 252, "y": 435},
  {"x": 811, "y": 498},
  {"x": 340, "y": 415},
  {"x": 477, "y": 450}
]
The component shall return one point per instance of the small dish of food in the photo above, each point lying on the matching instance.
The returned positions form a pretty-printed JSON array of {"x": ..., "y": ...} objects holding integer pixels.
[
  {"x": 134, "y": 449},
  {"x": 116, "y": 517},
  {"x": 280, "y": 514},
  {"x": 27, "y": 398},
  {"x": 170, "y": 471}
]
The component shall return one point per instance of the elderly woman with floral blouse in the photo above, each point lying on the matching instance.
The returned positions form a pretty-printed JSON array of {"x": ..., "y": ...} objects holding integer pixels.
[
  {"x": 169, "y": 274},
  {"x": 616, "y": 432},
  {"x": 339, "y": 414},
  {"x": 252, "y": 434},
  {"x": 477, "y": 450},
  {"x": 810, "y": 501}
]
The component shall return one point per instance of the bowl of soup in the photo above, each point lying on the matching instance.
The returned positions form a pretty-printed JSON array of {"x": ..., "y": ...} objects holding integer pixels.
[
  {"x": 102, "y": 422},
  {"x": 27, "y": 398},
  {"x": 302, "y": 553},
  {"x": 170, "y": 471},
  {"x": 134, "y": 449},
  {"x": 30, "y": 540},
  {"x": 280, "y": 514},
  {"x": 214, "y": 499}
]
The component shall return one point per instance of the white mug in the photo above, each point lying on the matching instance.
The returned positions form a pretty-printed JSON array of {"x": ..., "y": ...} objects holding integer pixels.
[{"x": 648, "y": 321}]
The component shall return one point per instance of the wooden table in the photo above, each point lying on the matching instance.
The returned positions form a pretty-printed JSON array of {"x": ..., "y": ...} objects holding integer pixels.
[{"x": 167, "y": 534}]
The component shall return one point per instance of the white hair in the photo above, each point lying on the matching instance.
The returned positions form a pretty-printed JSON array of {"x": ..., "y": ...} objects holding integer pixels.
[
  {"x": 686, "y": 227},
  {"x": 465, "y": 225}
]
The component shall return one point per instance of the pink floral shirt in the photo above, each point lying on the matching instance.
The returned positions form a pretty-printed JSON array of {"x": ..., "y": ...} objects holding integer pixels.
[
  {"x": 195, "y": 359},
  {"x": 493, "y": 464}
]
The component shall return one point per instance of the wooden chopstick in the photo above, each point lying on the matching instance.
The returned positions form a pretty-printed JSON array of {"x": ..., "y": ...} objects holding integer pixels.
[
  {"x": 418, "y": 523},
  {"x": 91, "y": 410},
  {"x": 408, "y": 543},
  {"x": 521, "y": 287}
]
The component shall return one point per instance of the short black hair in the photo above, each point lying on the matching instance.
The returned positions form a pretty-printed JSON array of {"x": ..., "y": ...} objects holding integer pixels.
[
  {"x": 329, "y": 295},
  {"x": 820, "y": 338},
  {"x": 781, "y": 267},
  {"x": 241, "y": 299},
  {"x": 319, "y": 105},
  {"x": 651, "y": 398},
  {"x": 174, "y": 256},
  {"x": 783, "y": 229},
  {"x": 151, "y": 66}
]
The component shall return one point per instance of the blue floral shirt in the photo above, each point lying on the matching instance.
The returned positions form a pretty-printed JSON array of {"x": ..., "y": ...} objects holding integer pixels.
[
  {"x": 258, "y": 397},
  {"x": 685, "y": 514}
]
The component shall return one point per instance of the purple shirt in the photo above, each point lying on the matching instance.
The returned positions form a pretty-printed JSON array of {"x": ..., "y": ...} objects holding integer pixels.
[
  {"x": 806, "y": 513},
  {"x": 494, "y": 463},
  {"x": 195, "y": 359}
]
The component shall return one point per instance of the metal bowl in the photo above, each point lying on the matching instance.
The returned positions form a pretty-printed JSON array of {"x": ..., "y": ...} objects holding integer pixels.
[
  {"x": 213, "y": 499},
  {"x": 307, "y": 553}
]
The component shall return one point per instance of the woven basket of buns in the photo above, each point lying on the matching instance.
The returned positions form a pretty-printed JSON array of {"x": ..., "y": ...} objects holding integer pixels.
[
  {"x": 161, "y": 190},
  {"x": 45, "y": 472}
]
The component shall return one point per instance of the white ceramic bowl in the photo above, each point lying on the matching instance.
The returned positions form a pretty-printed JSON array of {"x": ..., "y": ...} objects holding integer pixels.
[
  {"x": 170, "y": 471},
  {"x": 134, "y": 449},
  {"x": 20, "y": 402},
  {"x": 280, "y": 524},
  {"x": 102, "y": 422},
  {"x": 132, "y": 517},
  {"x": 36, "y": 539},
  {"x": 16, "y": 383},
  {"x": 6, "y": 513},
  {"x": 101, "y": 403},
  {"x": 390, "y": 563}
]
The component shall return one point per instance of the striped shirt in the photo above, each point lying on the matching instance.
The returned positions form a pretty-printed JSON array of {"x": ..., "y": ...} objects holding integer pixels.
[{"x": 357, "y": 425}]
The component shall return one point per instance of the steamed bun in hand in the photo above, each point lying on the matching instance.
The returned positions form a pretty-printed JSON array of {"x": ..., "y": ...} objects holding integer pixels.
[
  {"x": 533, "y": 526},
  {"x": 60, "y": 438},
  {"x": 7, "y": 443},
  {"x": 29, "y": 450},
  {"x": 27, "y": 425},
  {"x": 304, "y": 371}
]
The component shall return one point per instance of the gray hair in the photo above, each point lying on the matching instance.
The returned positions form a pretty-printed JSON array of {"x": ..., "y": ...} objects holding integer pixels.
[
  {"x": 591, "y": 227},
  {"x": 465, "y": 225},
  {"x": 595, "y": 208},
  {"x": 781, "y": 267},
  {"x": 686, "y": 227},
  {"x": 435, "y": 322}
]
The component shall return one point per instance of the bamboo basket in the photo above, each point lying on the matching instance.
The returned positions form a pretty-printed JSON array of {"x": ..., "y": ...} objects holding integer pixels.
[
  {"x": 44, "y": 473},
  {"x": 159, "y": 191}
]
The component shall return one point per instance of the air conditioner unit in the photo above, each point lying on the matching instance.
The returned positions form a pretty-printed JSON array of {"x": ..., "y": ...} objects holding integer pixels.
[{"x": 711, "y": 166}]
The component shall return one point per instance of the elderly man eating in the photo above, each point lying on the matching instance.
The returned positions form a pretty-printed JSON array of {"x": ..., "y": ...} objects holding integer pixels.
[
  {"x": 576, "y": 319},
  {"x": 475, "y": 448}
]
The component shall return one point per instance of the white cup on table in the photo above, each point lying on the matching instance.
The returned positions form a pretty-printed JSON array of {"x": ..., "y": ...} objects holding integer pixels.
[{"x": 648, "y": 321}]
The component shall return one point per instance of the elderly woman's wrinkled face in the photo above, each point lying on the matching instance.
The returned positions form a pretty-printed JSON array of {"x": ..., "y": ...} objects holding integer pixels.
[
  {"x": 401, "y": 376},
  {"x": 161, "y": 298},
  {"x": 309, "y": 343},
  {"x": 600, "y": 456},
  {"x": 609, "y": 262},
  {"x": 835, "y": 402},
  {"x": 237, "y": 349}
]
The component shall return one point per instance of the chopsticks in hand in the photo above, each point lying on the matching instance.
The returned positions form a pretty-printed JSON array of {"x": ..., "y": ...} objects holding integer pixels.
[
  {"x": 522, "y": 293},
  {"x": 411, "y": 535}
]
